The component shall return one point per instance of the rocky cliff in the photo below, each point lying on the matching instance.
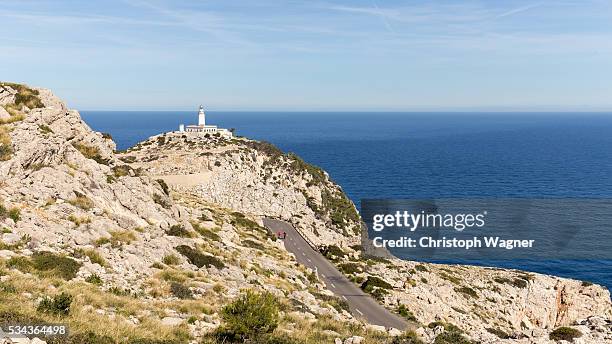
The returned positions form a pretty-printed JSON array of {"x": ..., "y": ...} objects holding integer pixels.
[{"x": 149, "y": 245}]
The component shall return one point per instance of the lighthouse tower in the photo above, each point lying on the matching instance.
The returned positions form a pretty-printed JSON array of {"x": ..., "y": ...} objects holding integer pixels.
[{"x": 201, "y": 116}]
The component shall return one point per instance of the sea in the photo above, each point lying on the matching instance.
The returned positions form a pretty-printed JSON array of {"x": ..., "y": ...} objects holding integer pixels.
[{"x": 423, "y": 155}]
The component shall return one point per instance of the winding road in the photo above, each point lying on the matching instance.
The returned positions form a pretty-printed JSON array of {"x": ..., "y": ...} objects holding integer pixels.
[{"x": 360, "y": 303}]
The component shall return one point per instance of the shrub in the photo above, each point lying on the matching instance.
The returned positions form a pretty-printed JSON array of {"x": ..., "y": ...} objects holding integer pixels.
[
  {"x": 467, "y": 291},
  {"x": 450, "y": 278},
  {"x": 159, "y": 199},
  {"x": 79, "y": 220},
  {"x": 340, "y": 208},
  {"x": 117, "y": 239},
  {"x": 178, "y": 231},
  {"x": 93, "y": 255},
  {"x": 52, "y": 264},
  {"x": 517, "y": 282},
  {"x": 164, "y": 186},
  {"x": 375, "y": 282},
  {"x": 409, "y": 337},
  {"x": 82, "y": 201},
  {"x": 20, "y": 263},
  {"x": 332, "y": 252},
  {"x": 45, "y": 129},
  {"x": 253, "y": 244},
  {"x": 207, "y": 233},
  {"x": 58, "y": 305},
  {"x": 94, "y": 279},
  {"x": 350, "y": 268},
  {"x": 499, "y": 333},
  {"x": 171, "y": 260},
  {"x": 107, "y": 136},
  {"x": 14, "y": 214},
  {"x": 181, "y": 291},
  {"x": 421, "y": 267},
  {"x": 90, "y": 152},
  {"x": 199, "y": 259},
  {"x": 334, "y": 301},
  {"x": 251, "y": 316},
  {"x": 451, "y": 338},
  {"x": 121, "y": 171},
  {"x": 565, "y": 333},
  {"x": 405, "y": 313},
  {"x": 240, "y": 220}
]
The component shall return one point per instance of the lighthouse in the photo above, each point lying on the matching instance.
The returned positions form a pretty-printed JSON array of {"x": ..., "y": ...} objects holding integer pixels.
[
  {"x": 201, "y": 127},
  {"x": 201, "y": 116}
]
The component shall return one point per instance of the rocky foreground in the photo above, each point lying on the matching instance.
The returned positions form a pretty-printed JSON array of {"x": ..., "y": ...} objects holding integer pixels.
[{"x": 157, "y": 244}]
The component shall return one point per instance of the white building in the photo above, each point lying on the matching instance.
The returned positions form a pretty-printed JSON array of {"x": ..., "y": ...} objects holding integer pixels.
[{"x": 201, "y": 127}]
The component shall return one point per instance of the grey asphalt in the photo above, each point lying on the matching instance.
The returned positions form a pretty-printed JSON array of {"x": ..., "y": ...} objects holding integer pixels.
[{"x": 361, "y": 304}]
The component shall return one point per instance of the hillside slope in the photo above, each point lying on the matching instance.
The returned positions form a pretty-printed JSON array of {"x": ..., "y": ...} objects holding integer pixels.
[{"x": 154, "y": 244}]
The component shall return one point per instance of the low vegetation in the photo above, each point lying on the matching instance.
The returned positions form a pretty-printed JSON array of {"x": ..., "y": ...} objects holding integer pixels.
[
  {"x": 405, "y": 313},
  {"x": 179, "y": 231},
  {"x": 57, "y": 305},
  {"x": 6, "y": 145},
  {"x": 13, "y": 213},
  {"x": 250, "y": 318},
  {"x": 90, "y": 152},
  {"x": 565, "y": 333},
  {"x": 46, "y": 264},
  {"x": 117, "y": 239},
  {"x": 82, "y": 201},
  {"x": 198, "y": 258}
]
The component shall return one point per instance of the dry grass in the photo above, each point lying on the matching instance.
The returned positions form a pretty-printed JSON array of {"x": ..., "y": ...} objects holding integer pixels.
[
  {"x": 82, "y": 202},
  {"x": 117, "y": 239},
  {"x": 6, "y": 145}
]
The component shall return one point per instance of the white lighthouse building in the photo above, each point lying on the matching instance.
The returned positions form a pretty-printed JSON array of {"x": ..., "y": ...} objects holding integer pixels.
[{"x": 201, "y": 127}]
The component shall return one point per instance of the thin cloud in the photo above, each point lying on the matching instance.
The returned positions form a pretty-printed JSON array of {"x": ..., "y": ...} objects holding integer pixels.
[{"x": 517, "y": 10}]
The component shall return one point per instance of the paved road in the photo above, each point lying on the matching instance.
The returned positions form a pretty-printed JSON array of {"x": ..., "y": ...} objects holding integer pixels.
[{"x": 361, "y": 304}]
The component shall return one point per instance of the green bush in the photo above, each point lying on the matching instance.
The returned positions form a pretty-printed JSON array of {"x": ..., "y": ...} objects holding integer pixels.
[
  {"x": 332, "y": 252},
  {"x": 565, "y": 333},
  {"x": 251, "y": 316},
  {"x": 178, "y": 231},
  {"x": 121, "y": 171},
  {"x": 409, "y": 337},
  {"x": 467, "y": 291},
  {"x": 159, "y": 199},
  {"x": 499, "y": 333},
  {"x": 350, "y": 268},
  {"x": 171, "y": 260},
  {"x": 199, "y": 259},
  {"x": 181, "y": 291},
  {"x": 207, "y": 233},
  {"x": 45, "y": 129},
  {"x": 253, "y": 244},
  {"x": 451, "y": 338},
  {"x": 375, "y": 282},
  {"x": 94, "y": 279},
  {"x": 51, "y": 264},
  {"x": 164, "y": 186},
  {"x": 58, "y": 305},
  {"x": 14, "y": 213},
  {"x": 93, "y": 255},
  {"x": 421, "y": 267},
  {"x": 90, "y": 152},
  {"x": 405, "y": 313}
]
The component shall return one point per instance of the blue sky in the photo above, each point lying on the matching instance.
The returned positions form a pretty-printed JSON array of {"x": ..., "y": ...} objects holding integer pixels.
[{"x": 312, "y": 55}]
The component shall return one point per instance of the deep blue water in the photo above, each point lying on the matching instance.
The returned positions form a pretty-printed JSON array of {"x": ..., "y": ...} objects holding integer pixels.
[{"x": 427, "y": 155}]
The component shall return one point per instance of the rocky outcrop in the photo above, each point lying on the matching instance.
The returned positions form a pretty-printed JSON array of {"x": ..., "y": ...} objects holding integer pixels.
[{"x": 253, "y": 177}]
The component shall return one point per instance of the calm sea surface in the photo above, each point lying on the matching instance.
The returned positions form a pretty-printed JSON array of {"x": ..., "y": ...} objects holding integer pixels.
[{"x": 427, "y": 155}]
